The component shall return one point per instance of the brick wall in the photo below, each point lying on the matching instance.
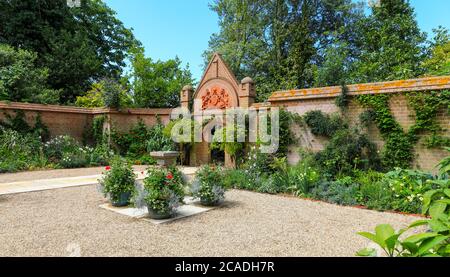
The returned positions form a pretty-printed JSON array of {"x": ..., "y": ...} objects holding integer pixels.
[
  {"x": 62, "y": 120},
  {"x": 302, "y": 101}
]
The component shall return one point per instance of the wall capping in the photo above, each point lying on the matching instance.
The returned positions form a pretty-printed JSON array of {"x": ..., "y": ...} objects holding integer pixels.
[
  {"x": 68, "y": 109},
  {"x": 422, "y": 84}
]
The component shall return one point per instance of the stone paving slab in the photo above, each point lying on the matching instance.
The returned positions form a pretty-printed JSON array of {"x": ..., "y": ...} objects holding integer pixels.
[
  {"x": 191, "y": 208},
  {"x": 57, "y": 183}
]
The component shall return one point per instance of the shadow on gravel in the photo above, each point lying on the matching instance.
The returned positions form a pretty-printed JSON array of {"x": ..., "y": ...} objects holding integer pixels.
[{"x": 230, "y": 205}]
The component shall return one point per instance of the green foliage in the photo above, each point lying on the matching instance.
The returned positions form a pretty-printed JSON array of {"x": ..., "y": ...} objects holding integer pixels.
[
  {"x": 399, "y": 146},
  {"x": 66, "y": 152},
  {"x": 163, "y": 190},
  {"x": 157, "y": 84},
  {"x": 436, "y": 201},
  {"x": 322, "y": 124},
  {"x": 287, "y": 137},
  {"x": 106, "y": 93},
  {"x": 22, "y": 80},
  {"x": 408, "y": 189},
  {"x": 427, "y": 106},
  {"x": 375, "y": 193},
  {"x": 20, "y": 151},
  {"x": 342, "y": 100},
  {"x": 141, "y": 140},
  {"x": 346, "y": 151},
  {"x": 397, "y": 151},
  {"x": 438, "y": 64},
  {"x": 342, "y": 191},
  {"x": 18, "y": 123},
  {"x": 118, "y": 180},
  {"x": 227, "y": 139},
  {"x": 89, "y": 39},
  {"x": 298, "y": 179},
  {"x": 444, "y": 165},
  {"x": 97, "y": 129},
  {"x": 392, "y": 45},
  {"x": 209, "y": 186},
  {"x": 433, "y": 243},
  {"x": 281, "y": 43}
]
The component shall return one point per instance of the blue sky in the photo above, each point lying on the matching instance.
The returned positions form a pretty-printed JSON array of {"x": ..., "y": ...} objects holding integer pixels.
[{"x": 169, "y": 28}]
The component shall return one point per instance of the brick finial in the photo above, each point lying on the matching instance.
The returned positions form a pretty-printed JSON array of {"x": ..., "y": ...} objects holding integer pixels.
[
  {"x": 247, "y": 92},
  {"x": 186, "y": 96}
]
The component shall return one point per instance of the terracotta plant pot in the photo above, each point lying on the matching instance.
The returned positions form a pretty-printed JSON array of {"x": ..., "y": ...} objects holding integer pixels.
[{"x": 124, "y": 200}]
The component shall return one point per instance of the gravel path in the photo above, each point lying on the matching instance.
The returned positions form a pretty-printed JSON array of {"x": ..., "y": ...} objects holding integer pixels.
[
  {"x": 59, "y": 173},
  {"x": 51, "y": 223}
]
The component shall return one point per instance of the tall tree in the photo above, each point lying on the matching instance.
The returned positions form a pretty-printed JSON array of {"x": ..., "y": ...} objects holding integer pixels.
[
  {"x": 392, "y": 45},
  {"x": 157, "y": 84},
  {"x": 285, "y": 40},
  {"x": 21, "y": 80},
  {"x": 78, "y": 45}
]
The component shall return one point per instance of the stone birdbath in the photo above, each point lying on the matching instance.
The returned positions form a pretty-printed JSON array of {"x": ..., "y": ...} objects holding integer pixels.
[{"x": 165, "y": 158}]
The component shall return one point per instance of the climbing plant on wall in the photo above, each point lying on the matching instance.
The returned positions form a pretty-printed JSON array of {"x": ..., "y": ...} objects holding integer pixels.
[
  {"x": 427, "y": 107},
  {"x": 399, "y": 144}
]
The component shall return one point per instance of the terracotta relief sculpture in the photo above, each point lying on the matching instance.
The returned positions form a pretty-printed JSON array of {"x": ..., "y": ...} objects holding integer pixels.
[{"x": 215, "y": 98}]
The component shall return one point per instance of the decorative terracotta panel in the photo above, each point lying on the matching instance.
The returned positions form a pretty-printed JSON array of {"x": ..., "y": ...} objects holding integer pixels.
[{"x": 216, "y": 98}]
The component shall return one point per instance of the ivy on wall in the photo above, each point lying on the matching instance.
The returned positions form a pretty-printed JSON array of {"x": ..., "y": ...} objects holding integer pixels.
[{"x": 399, "y": 145}]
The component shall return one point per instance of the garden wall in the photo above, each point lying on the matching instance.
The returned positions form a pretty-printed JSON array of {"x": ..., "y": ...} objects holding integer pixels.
[
  {"x": 63, "y": 120},
  {"x": 302, "y": 101}
]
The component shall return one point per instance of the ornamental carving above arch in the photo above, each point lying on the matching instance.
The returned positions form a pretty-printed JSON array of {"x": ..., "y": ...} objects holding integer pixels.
[{"x": 216, "y": 98}]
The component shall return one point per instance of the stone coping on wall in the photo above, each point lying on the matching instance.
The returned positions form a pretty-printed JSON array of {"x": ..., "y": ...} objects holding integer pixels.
[
  {"x": 69, "y": 109},
  {"x": 423, "y": 84}
]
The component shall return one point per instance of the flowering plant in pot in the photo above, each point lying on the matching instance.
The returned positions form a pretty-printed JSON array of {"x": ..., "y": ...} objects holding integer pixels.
[
  {"x": 118, "y": 183},
  {"x": 162, "y": 192},
  {"x": 208, "y": 186}
]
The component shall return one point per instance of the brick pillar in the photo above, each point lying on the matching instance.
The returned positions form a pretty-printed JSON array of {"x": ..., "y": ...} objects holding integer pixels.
[
  {"x": 247, "y": 93},
  {"x": 186, "y": 96}
]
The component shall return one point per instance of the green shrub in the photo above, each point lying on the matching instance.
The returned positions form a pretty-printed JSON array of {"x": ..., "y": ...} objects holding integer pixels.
[
  {"x": 346, "y": 151},
  {"x": 375, "y": 193},
  {"x": 408, "y": 188},
  {"x": 208, "y": 185},
  {"x": 118, "y": 179},
  {"x": 322, "y": 124},
  {"x": 237, "y": 178},
  {"x": 296, "y": 179},
  {"x": 343, "y": 191},
  {"x": 20, "y": 151},
  {"x": 141, "y": 140},
  {"x": 444, "y": 165},
  {"x": 56, "y": 148},
  {"x": 433, "y": 243}
]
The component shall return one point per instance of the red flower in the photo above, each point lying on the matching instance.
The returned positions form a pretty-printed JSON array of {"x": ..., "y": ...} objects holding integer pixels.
[
  {"x": 169, "y": 176},
  {"x": 108, "y": 168}
]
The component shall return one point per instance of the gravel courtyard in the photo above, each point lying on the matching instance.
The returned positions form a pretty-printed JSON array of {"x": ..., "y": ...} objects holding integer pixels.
[{"x": 54, "y": 222}]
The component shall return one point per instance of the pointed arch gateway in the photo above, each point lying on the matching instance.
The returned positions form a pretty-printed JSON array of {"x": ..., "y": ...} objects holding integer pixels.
[{"x": 218, "y": 89}]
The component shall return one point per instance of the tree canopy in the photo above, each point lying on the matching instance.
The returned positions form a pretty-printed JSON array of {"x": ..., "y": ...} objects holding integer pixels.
[
  {"x": 288, "y": 44},
  {"x": 78, "y": 45},
  {"x": 157, "y": 84}
]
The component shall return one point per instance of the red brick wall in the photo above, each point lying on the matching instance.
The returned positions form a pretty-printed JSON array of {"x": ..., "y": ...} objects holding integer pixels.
[{"x": 72, "y": 121}]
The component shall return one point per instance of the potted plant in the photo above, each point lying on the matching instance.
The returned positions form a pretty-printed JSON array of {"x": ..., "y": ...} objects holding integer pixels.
[
  {"x": 208, "y": 186},
  {"x": 162, "y": 192},
  {"x": 118, "y": 183}
]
